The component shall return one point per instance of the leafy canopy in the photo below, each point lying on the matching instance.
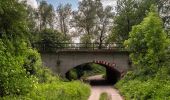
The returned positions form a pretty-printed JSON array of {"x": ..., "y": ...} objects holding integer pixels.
[{"x": 148, "y": 41}]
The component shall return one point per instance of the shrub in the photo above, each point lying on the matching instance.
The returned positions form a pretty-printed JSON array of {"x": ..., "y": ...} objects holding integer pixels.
[
  {"x": 151, "y": 89},
  {"x": 148, "y": 42},
  {"x": 72, "y": 75},
  {"x": 46, "y": 76},
  {"x": 32, "y": 62},
  {"x": 13, "y": 77},
  {"x": 151, "y": 78}
]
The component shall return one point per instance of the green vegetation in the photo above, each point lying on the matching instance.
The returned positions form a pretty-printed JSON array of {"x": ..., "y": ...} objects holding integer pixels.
[
  {"x": 22, "y": 76},
  {"x": 85, "y": 70},
  {"x": 132, "y": 12},
  {"x": 104, "y": 96},
  {"x": 54, "y": 89},
  {"x": 150, "y": 89},
  {"x": 49, "y": 40},
  {"x": 150, "y": 79}
]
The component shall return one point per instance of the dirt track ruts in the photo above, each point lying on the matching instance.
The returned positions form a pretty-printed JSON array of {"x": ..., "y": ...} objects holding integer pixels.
[{"x": 96, "y": 90}]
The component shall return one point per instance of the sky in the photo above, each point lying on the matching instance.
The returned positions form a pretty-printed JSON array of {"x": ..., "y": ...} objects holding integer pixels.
[
  {"x": 74, "y": 3},
  {"x": 55, "y": 3}
]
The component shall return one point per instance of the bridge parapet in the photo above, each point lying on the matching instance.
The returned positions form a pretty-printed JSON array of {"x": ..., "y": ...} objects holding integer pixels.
[{"x": 46, "y": 47}]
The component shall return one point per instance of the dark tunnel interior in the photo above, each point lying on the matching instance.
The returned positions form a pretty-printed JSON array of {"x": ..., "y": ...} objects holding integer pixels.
[{"x": 111, "y": 77}]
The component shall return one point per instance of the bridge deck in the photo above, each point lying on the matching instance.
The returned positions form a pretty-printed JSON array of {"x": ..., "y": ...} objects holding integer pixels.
[
  {"x": 80, "y": 47},
  {"x": 93, "y": 51}
]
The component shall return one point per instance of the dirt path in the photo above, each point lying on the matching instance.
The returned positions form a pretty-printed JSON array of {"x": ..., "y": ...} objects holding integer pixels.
[{"x": 98, "y": 88}]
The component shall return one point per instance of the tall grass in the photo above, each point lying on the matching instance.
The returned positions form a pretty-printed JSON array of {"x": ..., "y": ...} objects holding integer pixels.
[
  {"x": 52, "y": 87},
  {"x": 105, "y": 96}
]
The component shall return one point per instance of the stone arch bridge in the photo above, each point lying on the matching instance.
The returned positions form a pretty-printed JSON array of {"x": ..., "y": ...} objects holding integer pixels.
[{"x": 63, "y": 60}]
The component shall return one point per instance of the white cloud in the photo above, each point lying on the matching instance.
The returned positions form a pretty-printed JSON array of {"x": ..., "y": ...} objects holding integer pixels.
[
  {"x": 109, "y": 2},
  {"x": 32, "y": 3}
]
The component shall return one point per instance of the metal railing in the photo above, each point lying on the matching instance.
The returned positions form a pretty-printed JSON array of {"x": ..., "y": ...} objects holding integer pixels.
[{"x": 77, "y": 46}]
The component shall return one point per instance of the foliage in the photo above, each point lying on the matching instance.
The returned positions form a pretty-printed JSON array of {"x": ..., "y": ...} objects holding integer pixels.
[
  {"x": 13, "y": 76},
  {"x": 46, "y": 15},
  {"x": 56, "y": 91},
  {"x": 104, "y": 96},
  {"x": 93, "y": 24},
  {"x": 151, "y": 78},
  {"x": 12, "y": 18},
  {"x": 72, "y": 74},
  {"x": 16, "y": 58},
  {"x": 85, "y": 70},
  {"x": 87, "y": 39},
  {"x": 84, "y": 19},
  {"x": 152, "y": 89},
  {"x": 21, "y": 74},
  {"x": 124, "y": 19},
  {"x": 148, "y": 43},
  {"x": 47, "y": 76},
  {"x": 64, "y": 13},
  {"x": 95, "y": 70},
  {"x": 132, "y": 12},
  {"x": 51, "y": 39},
  {"x": 103, "y": 22}
]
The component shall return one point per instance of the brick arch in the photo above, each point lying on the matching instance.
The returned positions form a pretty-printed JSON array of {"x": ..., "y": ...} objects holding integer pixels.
[
  {"x": 110, "y": 65},
  {"x": 104, "y": 63},
  {"x": 112, "y": 74}
]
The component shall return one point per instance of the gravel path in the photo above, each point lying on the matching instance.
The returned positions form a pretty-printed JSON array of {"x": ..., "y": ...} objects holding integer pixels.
[{"x": 97, "y": 89}]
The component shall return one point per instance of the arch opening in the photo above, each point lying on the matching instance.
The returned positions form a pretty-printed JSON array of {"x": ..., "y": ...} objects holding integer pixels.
[{"x": 110, "y": 74}]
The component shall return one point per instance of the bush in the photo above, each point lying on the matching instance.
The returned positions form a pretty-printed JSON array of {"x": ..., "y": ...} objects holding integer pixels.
[
  {"x": 148, "y": 43},
  {"x": 46, "y": 76},
  {"x": 13, "y": 77},
  {"x": 72, "y": 75},
  {"x": 23, "y": 78},
  {"x": 32, "y": 62},
  {"x": 152, "y": 89}
]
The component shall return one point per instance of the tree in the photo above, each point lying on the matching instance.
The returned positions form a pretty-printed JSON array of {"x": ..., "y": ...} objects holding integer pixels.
[
  {"x": 148, "y": 43},
  {"x": 84, "y": 18},
  {"x": 50, "y": 40},
  {"x": 12, "y": 19},
  {"x": 125, "y": 19},
  {"x": 103, "y": 22},
  {"x": 46, "y": 15},
  {"x": 17, "y": 59},
  {"x": 132, "y": 12},
  {"x": 64, "y": 13},
  {"x": 93, "y": 21},
  {"x": 32, "y": 18},
  {"x": 164, "y": 8}
]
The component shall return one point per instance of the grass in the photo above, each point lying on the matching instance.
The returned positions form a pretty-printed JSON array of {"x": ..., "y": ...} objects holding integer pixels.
[
  {"x": 52, "y": 87},
  {"x": 105, "y": 96},
  {"x": 56, "y": 91}
]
